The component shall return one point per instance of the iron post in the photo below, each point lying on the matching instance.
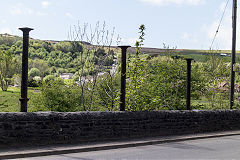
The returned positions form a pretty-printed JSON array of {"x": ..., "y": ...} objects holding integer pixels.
[
  {"x": 234, "y": 24},
  {"x": 24, "y": 82},
  {"x": 188, "y": 100},
  {"x": 123, "y": 77}
]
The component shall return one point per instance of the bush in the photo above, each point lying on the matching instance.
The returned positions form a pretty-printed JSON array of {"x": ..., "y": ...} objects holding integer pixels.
[
  {"x": 56, "y": 96},
  {"x": 34, "y": 83},
  {"x": 48, "y": 78},
  {"x": 34, "y": 72}
]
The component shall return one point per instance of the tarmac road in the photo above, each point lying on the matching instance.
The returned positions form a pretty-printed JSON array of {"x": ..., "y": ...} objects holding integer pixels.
[{"x": 211, "y": 148}]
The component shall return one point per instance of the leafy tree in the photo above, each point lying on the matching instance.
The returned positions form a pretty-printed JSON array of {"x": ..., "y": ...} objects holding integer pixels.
[
  {"x": 8, "y": 40},
  {"x": 167, "y": 84},
  {"x": 47, "y": 46},
  {"x": 34, "y": 72},
  {"x": 48, "y": 78},
  {"x": 56, "y": 96},
  {"x": 136, "y": 77},
  {"x": 216, "y": 70},
  {"x": 61, "y": 70},
  {"x": 75, "y": 48},
  {"x": 41, "y": 65},
  {"x": 53, "y": 70},
  {"x": 6, "y": 69}
]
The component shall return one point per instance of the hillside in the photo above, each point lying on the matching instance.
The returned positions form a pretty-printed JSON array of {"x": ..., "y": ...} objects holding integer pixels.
[
  {"x": 53, "y": 57},
  {"x": 11, "y": 39},
  {"x": 93, "y": 89}
]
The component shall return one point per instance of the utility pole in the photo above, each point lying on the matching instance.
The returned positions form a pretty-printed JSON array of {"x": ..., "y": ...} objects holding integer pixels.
[{"x": 234, "y": 26}]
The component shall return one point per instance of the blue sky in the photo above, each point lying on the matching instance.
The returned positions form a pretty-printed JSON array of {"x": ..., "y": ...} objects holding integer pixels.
[{"x": 185, "y": 24}]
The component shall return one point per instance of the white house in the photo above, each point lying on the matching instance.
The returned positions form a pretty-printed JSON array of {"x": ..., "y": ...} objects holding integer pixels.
[{"x": 66, "y": 76}]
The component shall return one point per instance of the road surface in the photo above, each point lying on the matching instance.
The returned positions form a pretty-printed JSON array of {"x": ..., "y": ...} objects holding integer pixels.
[{"x": 212, "y": 148}]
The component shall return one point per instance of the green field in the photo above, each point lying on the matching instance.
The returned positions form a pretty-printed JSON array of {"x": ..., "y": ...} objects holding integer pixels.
[{"x": 9, "y": 100}]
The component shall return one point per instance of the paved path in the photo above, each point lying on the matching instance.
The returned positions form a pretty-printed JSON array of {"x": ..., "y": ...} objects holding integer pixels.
[{"x": 211, "y": 148}]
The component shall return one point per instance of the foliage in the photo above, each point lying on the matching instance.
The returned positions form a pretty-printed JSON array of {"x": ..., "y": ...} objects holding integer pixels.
[
  {"x": 7, "y": 69},
  {"x": 54, "y": 58},
  {"x": 56, "y": 96},
  {"x": 136, "y": 98},
  {"x": 107, "y": 91},
  {"x": 48, "y": 78},
  {"x": 33, "y": 72},
  {"x": 153, "y": 83}
]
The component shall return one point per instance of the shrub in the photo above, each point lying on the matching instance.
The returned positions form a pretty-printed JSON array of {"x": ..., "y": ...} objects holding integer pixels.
[{"x": 56, "y": 96}]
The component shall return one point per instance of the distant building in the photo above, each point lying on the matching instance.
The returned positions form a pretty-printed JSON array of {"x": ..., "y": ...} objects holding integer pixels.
[{"x": 66, "y": 76}]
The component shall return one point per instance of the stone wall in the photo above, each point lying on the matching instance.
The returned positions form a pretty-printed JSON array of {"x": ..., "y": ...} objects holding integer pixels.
[{"x": 54, "y": 127}]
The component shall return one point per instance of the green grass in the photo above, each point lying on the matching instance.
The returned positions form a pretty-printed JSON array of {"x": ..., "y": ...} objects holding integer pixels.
[
  {"x": 9, "y": 100},
  {"x": 203, "y": 104}
]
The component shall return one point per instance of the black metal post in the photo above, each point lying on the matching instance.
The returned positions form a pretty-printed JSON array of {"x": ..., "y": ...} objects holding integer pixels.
[
  {"x": 188, "y": 101},
  {"x": 24, "y": 82},
  {"x": 123, "y": 78},
  {"x": 234, "y": 24}
]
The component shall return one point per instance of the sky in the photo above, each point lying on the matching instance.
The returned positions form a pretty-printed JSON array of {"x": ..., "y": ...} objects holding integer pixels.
[{"x": 182, "y": 24}]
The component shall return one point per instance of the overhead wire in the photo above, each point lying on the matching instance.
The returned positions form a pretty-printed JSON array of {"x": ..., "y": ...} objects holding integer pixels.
[{"x": 220, "y": 22}]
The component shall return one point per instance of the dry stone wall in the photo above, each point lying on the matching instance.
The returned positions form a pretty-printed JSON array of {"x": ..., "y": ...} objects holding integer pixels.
[{"x": 40, "y": 128}]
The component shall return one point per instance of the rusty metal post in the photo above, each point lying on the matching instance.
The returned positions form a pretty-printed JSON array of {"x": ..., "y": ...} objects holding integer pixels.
[
  {"x": 188, "y": 100},
  {"x": 24, "y": 82},
  {"x": 123, "y": 77}
]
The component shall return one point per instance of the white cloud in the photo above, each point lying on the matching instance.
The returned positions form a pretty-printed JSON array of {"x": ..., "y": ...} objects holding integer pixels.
[
  {"x": 129, "y": 41},
  {"x": 224, "y": 36},
  {"x": 16, "y": 11},
  {"x": 185, "y": 36},
  {"x": 20, "y": 10},
  {"x": 5, "y": 30},
  {"x": 41, "y": 14},
  {"x": 29, "y": 11},
  {"x": 45, "y": 4},
  {"x": 3, "y": 21},
  {"x": 69, "y": 15},
  {"x": 191, "y": 38},
  {"x": 176, "y": 2},
  {"x": 222, "y": 6}
]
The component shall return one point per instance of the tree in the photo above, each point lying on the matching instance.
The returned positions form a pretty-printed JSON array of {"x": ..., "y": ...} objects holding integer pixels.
[
  {"x": 34, "y": 76},
  {"x": 136, "y": 75},
  {"x": 6, "y": 69},
  {"x": 92, "y": 59},
  {"x": 48, "y": 78},
  {"x": 34, "y": 72},
  {"x": 41, "y": 65},
  {"x": 107, "y": 91},
  {"x": 56, "y": 96}
]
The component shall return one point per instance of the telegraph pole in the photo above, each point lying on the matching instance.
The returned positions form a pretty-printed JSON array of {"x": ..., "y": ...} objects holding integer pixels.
[{"x": 234, "y": 26}]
